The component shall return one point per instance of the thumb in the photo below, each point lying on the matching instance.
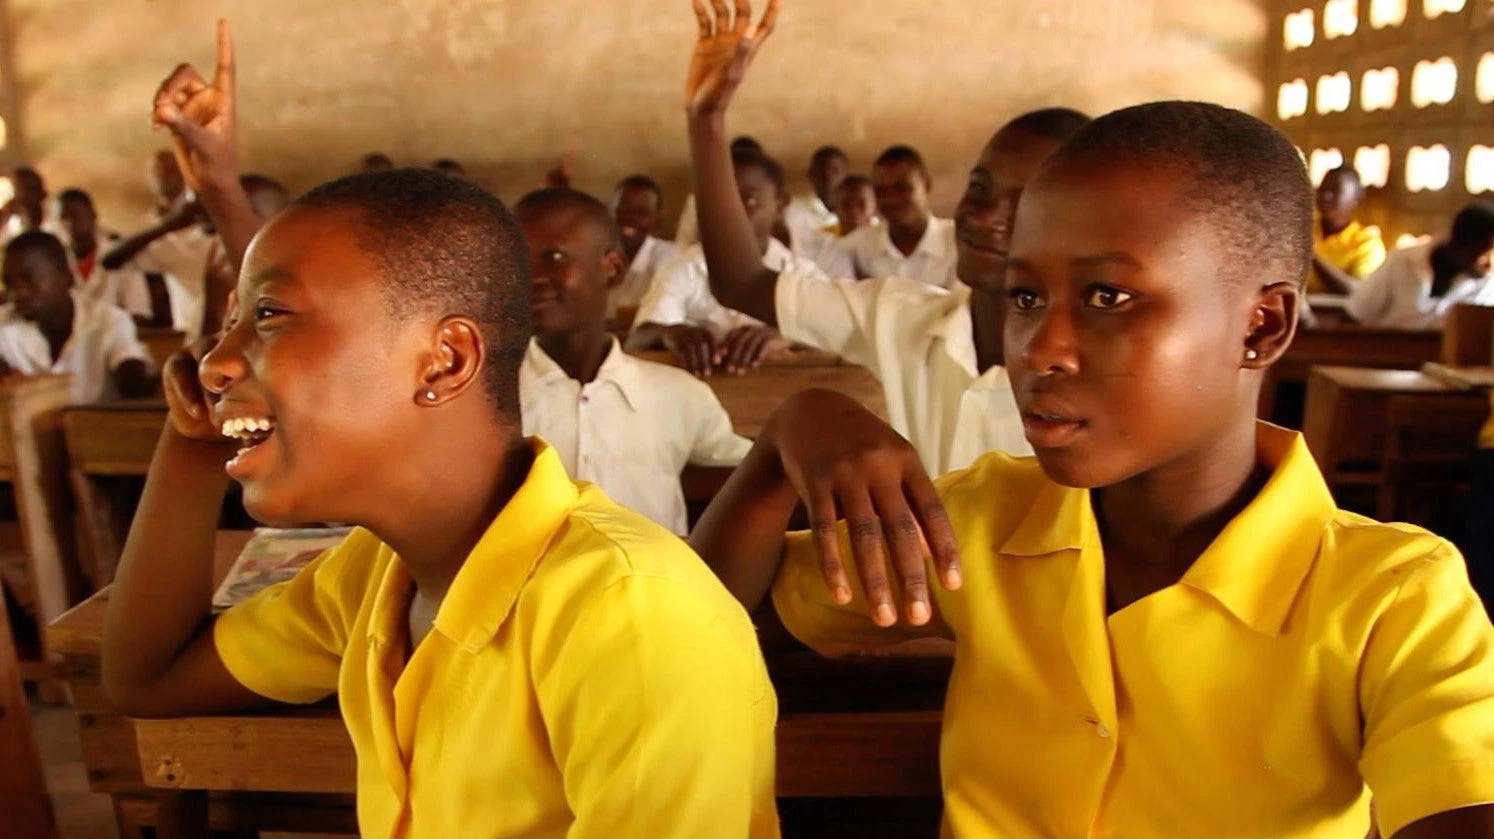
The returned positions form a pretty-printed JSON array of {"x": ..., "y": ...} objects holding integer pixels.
[{"x": 182, "y": 127}]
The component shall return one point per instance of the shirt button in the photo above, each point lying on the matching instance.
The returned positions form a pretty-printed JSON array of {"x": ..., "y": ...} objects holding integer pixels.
[
  {"x": 1102, "y": 730},
  {"x": 585, "y": 399}
]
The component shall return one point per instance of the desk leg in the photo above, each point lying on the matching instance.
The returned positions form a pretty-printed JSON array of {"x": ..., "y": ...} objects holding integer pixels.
[
  {"x": 100, "y": 548},
  {"x": 23, "y": 786},
  {"x": 182, "y": 814}
]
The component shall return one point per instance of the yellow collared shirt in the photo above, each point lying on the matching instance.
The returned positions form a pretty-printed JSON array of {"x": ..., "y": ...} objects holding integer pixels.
[
  {"x": 1309, "y": 657},
  {"x": 1358, "y": 250},
  {"x": 586, "y": 676}
]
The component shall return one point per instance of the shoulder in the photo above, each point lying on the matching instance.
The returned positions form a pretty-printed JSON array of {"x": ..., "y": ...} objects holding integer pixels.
[
  {"x": 1371, "y": 563},
  {"x": 663, "y": 380},
  {"x": 684, "y": 263},
  {"x": 997, "y": 487},
  {"x": 351, "y": 567}
]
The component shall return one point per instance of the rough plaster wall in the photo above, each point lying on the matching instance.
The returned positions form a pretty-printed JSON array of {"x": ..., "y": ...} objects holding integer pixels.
[{"x": 507, "y": 85}]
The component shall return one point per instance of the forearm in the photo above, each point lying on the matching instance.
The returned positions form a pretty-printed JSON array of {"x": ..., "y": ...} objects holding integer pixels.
[
  {"x": 1337, "y": 280},
  {"x": 227, "y": 204},
  {"x": 741, "y": 534},
  {"x": 129, "y": 248},
  {"x": 163, "y": 587},
  {"x": 735, "y": 263}
]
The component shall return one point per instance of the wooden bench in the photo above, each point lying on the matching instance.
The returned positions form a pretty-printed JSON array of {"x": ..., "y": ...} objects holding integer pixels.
[{"x": 108, "y": 440}]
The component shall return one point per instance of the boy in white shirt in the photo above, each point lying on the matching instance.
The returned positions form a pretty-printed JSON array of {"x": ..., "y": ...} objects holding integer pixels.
[
  {"x": 811, "y": 214},
  {"x": 26, "y": 210},
  {"x": 627, "y": 425},
  {"x": 938, "y": 354},
  {"x": 636, "y": 203},
  {"x": 687, "y": 231},
  {"x": 680, "y": 312},
  {"x": 125, "y": 288},
  {"x": 913, "y": 244},
  {"x": 54, "y": 329},
  {"x": 1419, "y": 285},
  {"x": 855, "y": 207}
]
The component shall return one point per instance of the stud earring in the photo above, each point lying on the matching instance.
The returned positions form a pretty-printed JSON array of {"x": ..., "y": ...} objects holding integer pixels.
[
  {"x": 1251, "y": 355},
  {"x": 430, "y": 396}
]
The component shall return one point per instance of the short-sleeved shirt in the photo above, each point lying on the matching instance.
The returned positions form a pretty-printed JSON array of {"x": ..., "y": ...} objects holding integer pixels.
[
  {"x": 1358, "y": 250},
  {"x": 124, "y": 287},
  {"x": 103, "y": 338},
  {"x": 182, "y": 258},
  {"x": 652, "y": 254},
  {"x": 932, "y": 263},
  {"x": 681, "y": 291},
  {"x": 1308, "y": 659},
  {"x": 919, "y": 342},
  {"x": 1399, "y": 295},
  {"x": 631, "y": 430},
  {"x": 805, "y": 216},
  {"x": 587, "y": 677}
]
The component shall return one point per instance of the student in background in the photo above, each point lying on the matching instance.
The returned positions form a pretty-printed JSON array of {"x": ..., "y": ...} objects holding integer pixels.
[
  {"x": 369, "y": 375},
  {"x": 450, "y": 167},
  {"x": 1419, "y": 285},
  {"x": 166, "y": 184},
  {"x": 913, "y": 244},
  {"x": 687, "y": 232},
  {"x": 176, "y": 248},
  {"x": 127, "y": 289},
  {"x": 1344, "y": 251},
  {"x": 267, "y": 197},
  {"x": 55, "y": 328},
  {"x": 636, "y": 203},
  {"x": 681, "y": 313},
  {"x": 811, "y": 213},
  {"x": 375, "y": 162},
  {"x": 937, "y": 354},
  {"x": 627, "y": 425},
  {"x": 855, "y": 205},
  {"x": 26, "y": 210}
]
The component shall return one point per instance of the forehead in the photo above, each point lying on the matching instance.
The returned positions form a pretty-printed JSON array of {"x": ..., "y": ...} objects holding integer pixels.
[
  {"x": 557, "y": 223},
  {"x": 1016, "y": 156},
  {"x": 316, "y": 249},
  {"x": 753, "y": 176},
  {"x": 896, "y": 170},
  {"x": 636, "y": 194},
  {"x": 33, "y": 261}
]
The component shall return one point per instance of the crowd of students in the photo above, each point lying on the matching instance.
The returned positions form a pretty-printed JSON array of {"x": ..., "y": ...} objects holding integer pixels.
[{"x": 1163, "y": 624}]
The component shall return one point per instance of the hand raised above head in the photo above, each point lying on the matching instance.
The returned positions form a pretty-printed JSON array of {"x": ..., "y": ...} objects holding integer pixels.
[
  {"x": 201, "y": 118},
  {"x": 728, "y": 43}
]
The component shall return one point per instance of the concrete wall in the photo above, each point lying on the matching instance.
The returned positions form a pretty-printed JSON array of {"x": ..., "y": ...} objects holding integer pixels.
[{"x": 506, "y": 86}]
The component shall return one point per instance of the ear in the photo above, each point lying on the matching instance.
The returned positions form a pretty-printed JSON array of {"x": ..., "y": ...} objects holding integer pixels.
[
  {"x": 456, "y": 357},
  {"x": 1273, "y": 323},
  {"x": 614, "y": 267}
]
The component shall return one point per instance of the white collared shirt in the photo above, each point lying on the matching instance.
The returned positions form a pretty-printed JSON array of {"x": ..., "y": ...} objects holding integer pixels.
[
  {"x": 125, "y": 288},
  {"x": 15, "y": 226},
  {"x": 681, "y": 291},
  {"x": 182, "y": 258},
  {"x": 103, "y": 338},
  {"x": 805, "y": 216},
  {"x": 1399, "y": 294},
  {"x": 653, "y": 254},
  {"x": 931, "y": 263},
  {"x": 632, "y": 430},
  {"x": 918, "y": 341}
]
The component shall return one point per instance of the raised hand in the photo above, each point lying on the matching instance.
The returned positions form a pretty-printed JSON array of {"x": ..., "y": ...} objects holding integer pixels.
[
  {"x": 201, "y": 118},
  {"x": 728, "y": 43}
]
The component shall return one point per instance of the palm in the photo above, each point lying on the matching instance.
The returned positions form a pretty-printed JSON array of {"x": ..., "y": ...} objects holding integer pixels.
[
  {"x": 201, "y": 115},
  {"x": 725, "y": 49}
]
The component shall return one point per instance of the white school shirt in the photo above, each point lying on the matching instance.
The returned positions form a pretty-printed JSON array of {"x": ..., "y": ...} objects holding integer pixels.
[
  {"x": 681, "y": 291},
  {"x": 182, "y": 258},
  {"x": 687, "y": 232},
  {"x": 125, "y": 287},
  {"x": 805, "y": 216},
  {"x": 653, "y": 254},
  {"x": 919, "y": 342},
  {"x": 103, "y": 338},
  {"x": 931, "y": 263},
  {"x": 632, "y": 430},
  {"x": 1399, "y": 294}
]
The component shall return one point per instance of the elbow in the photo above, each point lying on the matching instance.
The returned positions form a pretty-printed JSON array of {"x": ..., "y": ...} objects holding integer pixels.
[{"x": 130, "y": 696}]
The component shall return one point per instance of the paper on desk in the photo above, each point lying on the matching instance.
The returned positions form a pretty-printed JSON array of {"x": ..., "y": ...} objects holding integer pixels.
[{"x": 271, "y": 556}]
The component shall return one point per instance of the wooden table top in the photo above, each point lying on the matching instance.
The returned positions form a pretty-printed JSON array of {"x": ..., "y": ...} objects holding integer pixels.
[{"x": 1396, "y": 381}]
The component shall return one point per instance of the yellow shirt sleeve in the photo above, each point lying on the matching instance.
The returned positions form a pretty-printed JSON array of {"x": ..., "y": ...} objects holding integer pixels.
[
  {"x": 804, "y": 604},
  {"x": 1427, "y": 695},
  {"x": 286, "y": 642},
  {"x": 1367, "y": 254},
  {"x": 655, "y": 701}
]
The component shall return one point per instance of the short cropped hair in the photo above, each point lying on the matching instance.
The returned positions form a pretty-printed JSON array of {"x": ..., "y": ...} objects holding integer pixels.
[
  {"x": 638, "y": 181},
  {"x": 564, "y": 197},
  {"x": 856, "y": 182},
  {"x": 1474, "y": 224},
  {"x": 770, "y": 167},
  {"x": 444, "y": 245},
  {"x": 1349, "y": 173},
  {"x": 73, "y": 193},
  {"x": 743, "y": 142},
  {"x": 1059, "y": 124},
  {"x": 904, "y": 154},
  {"x": 1246, "y": 177},
  {"x": 824, "y": 154},
  {"x": 46, "y": 244}
]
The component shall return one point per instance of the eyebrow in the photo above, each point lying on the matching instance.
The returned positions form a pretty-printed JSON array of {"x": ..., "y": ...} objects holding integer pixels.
[
  {"x": 271, "y": 275},
  {"x": 1107, "y": 257}
]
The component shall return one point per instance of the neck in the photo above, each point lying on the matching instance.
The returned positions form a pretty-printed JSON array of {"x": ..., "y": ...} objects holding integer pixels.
[
  {"x": 459, "y": 498},
  {"x": 1331, "y": 228},
  {"x": 823, "y": 196},
  {"x": 1164, "y": 519},
  {"x": 83, "y": 247},
  {"x": 580, "y": 352},
  {"x": 987, "y": 321},
  {"x": 56, "y": 324},
  {"x": 906, "y": 238}
]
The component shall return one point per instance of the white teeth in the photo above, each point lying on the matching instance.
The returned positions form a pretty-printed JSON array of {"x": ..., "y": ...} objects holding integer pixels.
[{"x": 245, "y": 426}]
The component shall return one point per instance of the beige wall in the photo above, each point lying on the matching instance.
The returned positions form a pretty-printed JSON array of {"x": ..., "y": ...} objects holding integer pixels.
[{"x": 506, "y": 85}]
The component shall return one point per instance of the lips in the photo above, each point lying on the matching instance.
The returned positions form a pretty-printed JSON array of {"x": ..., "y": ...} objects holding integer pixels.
[{"x": 252, "y": 433}]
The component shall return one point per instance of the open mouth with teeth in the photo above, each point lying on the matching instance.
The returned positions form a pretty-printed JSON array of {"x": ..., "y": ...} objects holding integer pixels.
[{"x": 251, "y": 432}]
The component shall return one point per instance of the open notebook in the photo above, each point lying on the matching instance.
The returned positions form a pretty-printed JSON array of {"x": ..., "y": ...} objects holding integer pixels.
[{"x": 271, "y": 556}]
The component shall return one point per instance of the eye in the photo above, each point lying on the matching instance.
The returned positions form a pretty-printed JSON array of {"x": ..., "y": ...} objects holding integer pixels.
[
  {"x": 1106, "y": 297},
  {"x": 1024, "y": 299},
  {"x": 267, "y": 311},
  {"x": 554, "y": 257}
]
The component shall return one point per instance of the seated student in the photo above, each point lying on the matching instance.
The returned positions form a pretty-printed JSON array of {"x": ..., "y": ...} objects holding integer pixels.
[
  {"x": 636, "y": 203},
  {"x": 26, "y": 210},
  {"x": 1344, "y": 251},
  {"x": 375, "y": 161},
  {"x": 1419, "y": 285},
  {"x": 1163, "y": 624},
  {"x": 937, "y": 354},
  {"x": 855, "y": 207},
  {"x": 54, "y": 328},
  {"x": 687, "y": 231},
  {"x": 627, "y": 425},
  {"x": 913, "y": 244},
  {"x": 145, "y": 298},
  {"x": 811, "y": 213},
  {"x": 680, "y": 311},
  {"x": 267, "y": 197},
  {"x": 514, "y": 655},
  {"x": 177, "y": 248}
]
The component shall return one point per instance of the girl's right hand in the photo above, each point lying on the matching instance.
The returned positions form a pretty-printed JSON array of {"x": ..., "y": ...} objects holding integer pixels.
[{"x": 190, "y": 407}]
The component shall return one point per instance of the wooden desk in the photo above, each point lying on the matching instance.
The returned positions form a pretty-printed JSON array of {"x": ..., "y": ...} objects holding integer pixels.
[
  {"x": 1349, "y": 346},
  {"x": 108, "y": 440},
  {"x": 856, "y": 726}
]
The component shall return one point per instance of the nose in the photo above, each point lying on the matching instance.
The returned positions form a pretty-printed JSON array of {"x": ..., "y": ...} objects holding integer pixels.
[
  {"x": 1052, "y": 345},
  {"x": 226, "y": 364}
]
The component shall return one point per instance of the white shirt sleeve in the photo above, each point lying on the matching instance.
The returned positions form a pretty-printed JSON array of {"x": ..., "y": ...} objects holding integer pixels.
[
  {"x": 687, "y": 232},
  {"x": 831, "y": 315},
  {"x": 1370, "y": 301},
  {"x": 121, "y": 343},
  {"x": 667, "y": 301},
  {"x": 715, "y": 444},
  {"x": 133, "y": 294}
]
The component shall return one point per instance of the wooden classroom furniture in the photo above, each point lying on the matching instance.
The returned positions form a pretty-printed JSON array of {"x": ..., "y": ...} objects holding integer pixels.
[
  {"x": 1429, "y": 438},
  {"x": 863, "y": 726},
  {"x": 1468, "y": 335},
  {"x": 160, "y": 343},
  {"x": 32, "y": 461},
  {"x": 108, "y": 440},
  {"x": 1349, "y": 346},
  {"x": 27, "y": 809}
]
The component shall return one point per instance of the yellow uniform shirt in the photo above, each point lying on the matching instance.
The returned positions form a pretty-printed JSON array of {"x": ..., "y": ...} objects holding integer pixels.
[
  {"x": 1358, "y": 250},
  {"x": 1309, "y": 657},
  {"x": 587, "y": 676}
]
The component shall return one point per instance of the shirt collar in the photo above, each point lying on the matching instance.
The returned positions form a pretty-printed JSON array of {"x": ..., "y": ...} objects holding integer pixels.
[
  {"x": 486, "y": 588},
  {"x": 935, "y": 241},
  {"x": 619, "y": 369},
  {"x": 1256, "y": 565}
]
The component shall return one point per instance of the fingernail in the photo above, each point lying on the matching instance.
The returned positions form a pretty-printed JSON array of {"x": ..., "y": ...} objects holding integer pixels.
[
  {"x": 842, "y": 595},
  {"x": 918, "y": 612},
  {"x": 953, "y": 579},
  {"x": 886, "y": 615}
]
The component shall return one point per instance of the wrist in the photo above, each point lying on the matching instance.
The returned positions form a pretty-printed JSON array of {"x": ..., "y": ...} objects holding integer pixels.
[
  {"x": 706, "y": 123},
  {"x": 190, "y": 453}
]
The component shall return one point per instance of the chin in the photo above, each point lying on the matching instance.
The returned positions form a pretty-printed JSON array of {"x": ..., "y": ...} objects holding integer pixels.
[
  {"x": 276, "y": 506},
  {"x": 1071, "y": 467}
]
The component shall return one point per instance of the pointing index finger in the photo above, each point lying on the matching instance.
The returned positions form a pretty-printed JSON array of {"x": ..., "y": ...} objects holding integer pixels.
[{"x": 224, "y": 79}]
